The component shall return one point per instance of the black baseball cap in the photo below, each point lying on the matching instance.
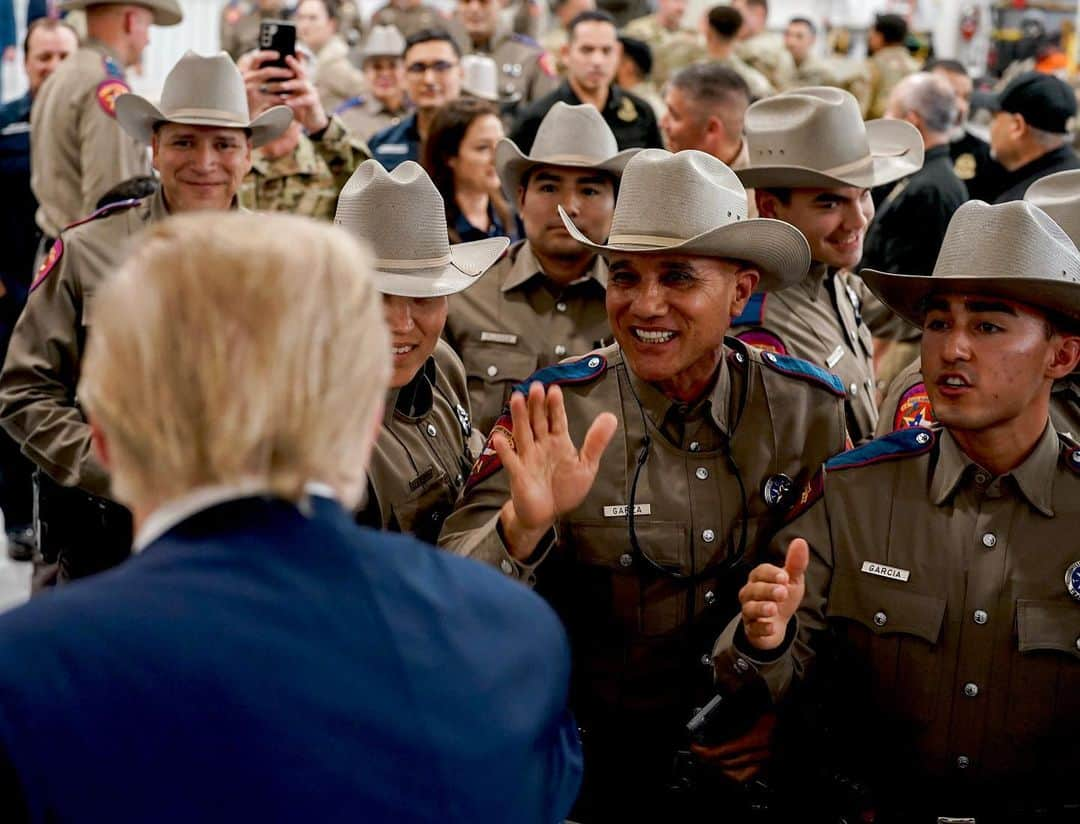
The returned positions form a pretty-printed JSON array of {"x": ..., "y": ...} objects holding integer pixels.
[{"x": 1045, "y": 101}]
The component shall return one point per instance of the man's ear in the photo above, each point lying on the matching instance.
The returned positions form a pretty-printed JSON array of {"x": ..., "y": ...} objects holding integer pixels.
[
  {"x": 100, "y": 444},
  {"x": 766, "y": 203},
  {"x": 1066, "y": 357}
]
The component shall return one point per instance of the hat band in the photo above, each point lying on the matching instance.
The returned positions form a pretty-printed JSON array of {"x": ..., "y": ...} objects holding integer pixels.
[
  {"x": 426, "y": 263},
  {"x": 214, "y": 114},
  {"x": 847, "y": 168},
  {"x": 645, "y": 240},
  {"x": 569, "y": 159}
]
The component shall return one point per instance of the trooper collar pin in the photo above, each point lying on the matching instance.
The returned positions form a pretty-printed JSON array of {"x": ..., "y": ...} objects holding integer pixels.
[
  {"x": 1072, "y": 580},
  {"x": 775, "y": 489}
]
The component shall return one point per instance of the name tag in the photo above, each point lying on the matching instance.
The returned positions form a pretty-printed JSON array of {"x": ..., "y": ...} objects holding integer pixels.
[
  {"x": 421, "y": 479},
  {"x": 835, "y": 357},
  {"x": 498, "y": 337},
  {"x": 619, "y": 510},
  {"x": 393, "y": 149},
  {"x": 882, "y": 571},
  {"x": 15, "y": 128}
]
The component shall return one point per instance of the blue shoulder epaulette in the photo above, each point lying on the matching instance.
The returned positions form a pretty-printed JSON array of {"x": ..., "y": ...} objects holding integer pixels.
[
  {"x": 351, "y": 103},
  {"x": 798, "y": 368},
  {"x": 902, "y": 443},
  {"x": 754, "y": 311},
  {"x": 581, "y": 370},
  {"x": 524, "y": 38}
]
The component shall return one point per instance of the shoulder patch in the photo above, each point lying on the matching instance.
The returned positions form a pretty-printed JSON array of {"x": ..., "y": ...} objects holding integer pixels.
[
  {"x": 903, "y": 443},
  {"x": 582, "y": 370},
  {"x": 913, "y": 409},
  {"x": 798, "y": 368},
  {"x": 764, "y": 340},
  {"x": 812, "y": 492},
  {"x": 48, "y": 264},
  {"x": 107, "y": 91},
  {"x": 547, "y": 65},
  {"x": 351, "y": 103},
  {"x": 754, "y": 312}
]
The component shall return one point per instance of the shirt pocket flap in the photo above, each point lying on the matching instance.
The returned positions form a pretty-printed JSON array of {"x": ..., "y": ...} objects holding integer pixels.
[
  {"x": 1048, "y": 625},
  {"x": 608, "y": 543},
  {"x": 498, "y": 363},
  {"x": 884, "y": 608}
]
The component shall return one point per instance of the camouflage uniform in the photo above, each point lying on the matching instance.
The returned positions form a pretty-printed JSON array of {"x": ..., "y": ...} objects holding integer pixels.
[
  {"x": 307, "y": 181},
  {"x": 766, "y": 53},
  {"x": 759, "y": 84},
  {"x": 888, "y": 66},
  {"x": 671, "y": 50},
  {"x": 409, "y": 21}
]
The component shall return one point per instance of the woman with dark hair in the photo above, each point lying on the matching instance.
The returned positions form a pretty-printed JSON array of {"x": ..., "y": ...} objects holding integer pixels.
[{"x": 459, "y": 155}]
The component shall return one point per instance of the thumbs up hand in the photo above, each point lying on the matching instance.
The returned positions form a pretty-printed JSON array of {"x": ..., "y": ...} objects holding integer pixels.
[{"x": 772, "y": 595}]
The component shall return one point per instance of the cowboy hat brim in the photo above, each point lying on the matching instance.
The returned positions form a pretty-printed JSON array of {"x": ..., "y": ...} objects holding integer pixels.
[
  {"x": 511, "y": 163},
  {"x": 138, "y": 117},
  {"x": 165, "y": 14},
  {"x": 896, "y": 151},
  {"x": 468, "y": 261},
  {"x": 778, "y": 248},
  {"x": 906, "y": 294}
]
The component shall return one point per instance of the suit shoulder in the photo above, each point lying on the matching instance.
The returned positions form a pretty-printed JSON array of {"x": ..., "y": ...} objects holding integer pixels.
[
  {"x": 904, "y": 443},
  {"x": 797, "y": 368}
]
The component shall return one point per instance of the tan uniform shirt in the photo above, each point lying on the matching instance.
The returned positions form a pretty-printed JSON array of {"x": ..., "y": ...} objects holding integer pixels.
[
  {"x": 77, "y": 149},
  {"x": 766, "y": 53},
  {"x": 240, "y": 28},
  {"x": 949, "y": 586},
  {"x": 410, "y": 20},
  {"x": 38, "y": 407},
  {"x": 514, "y": 320},
  {"x": 308, "y": 180},
  {"x": 888, "y": 66},
  {"x": 336, "y": 78},
  {"x": 424, "y": 450},
  {"x": 672, "y": 49},
  {"x": 820, "y": 320},
  {"x": 629, "y": 625},
  {"x": 525, "y": 71},
  {"x": 907, "y": 404},
  {"x": 364, "y": 116}
]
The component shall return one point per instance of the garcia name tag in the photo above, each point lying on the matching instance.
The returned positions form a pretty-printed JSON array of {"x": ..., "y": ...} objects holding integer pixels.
[
  {"x": 897, "y": 574},
  {"x": 619, "y": 510},
  {"x": 498, "y": 337}
]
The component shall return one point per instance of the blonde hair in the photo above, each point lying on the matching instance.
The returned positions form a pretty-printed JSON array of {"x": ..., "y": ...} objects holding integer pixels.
[{"x": 238, "y": 348}]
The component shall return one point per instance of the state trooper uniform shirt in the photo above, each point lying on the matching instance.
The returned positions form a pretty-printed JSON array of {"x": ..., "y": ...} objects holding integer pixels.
[
  {"x": 396, "y": 144},
  {"x": 515, "y": 320},
  {"x": 955, "y": 598},
  {"x": 701, "y": 480},
  {"x": 424, "y": 450},
  {"x": 820, "y": 320}
]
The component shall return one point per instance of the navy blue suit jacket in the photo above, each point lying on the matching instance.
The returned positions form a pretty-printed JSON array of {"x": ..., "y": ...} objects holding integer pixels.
[{"x": 255, "y": 664}]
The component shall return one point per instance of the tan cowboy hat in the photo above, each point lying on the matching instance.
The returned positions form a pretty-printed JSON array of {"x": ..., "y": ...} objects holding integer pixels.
[
  {"x": 166, "y": 12},
  {"x": 384, "y": 41},
  {"x": 401, "y": 216},
  {"x": 575, "y": 136},
  {"x": 691, "y": 203},
  {"x": 815, "y": 138},
  {"x": 1012, "y": 250},
  {"x": 1059, "y": 196},
  {"x": 201, "y": 91},
  {"x": 480, "y": 79}
]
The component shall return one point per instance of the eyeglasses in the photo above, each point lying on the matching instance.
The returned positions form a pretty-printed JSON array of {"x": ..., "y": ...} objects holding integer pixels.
[{"x": 438, "y": 66}]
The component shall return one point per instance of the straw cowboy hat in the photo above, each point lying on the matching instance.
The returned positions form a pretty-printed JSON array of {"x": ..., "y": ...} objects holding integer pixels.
[
  {"x": 815, "y": 138},
  {"x": 480, "y": 79},
  {"x": 201, "y": 91},
  {"x": 384, "y": 41},
  {"x": 401, "y": 216},
  {"x": 1059, "y": 196},
  {"x": 690, "y": 203},
  {"x": 166, "y": 12},
  {"x": 1012, "y": 250},
  {"x": 574, "y": 136}
]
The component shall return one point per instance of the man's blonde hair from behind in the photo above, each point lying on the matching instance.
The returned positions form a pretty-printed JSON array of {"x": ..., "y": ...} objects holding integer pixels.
[{"x": 238, "y": 349}]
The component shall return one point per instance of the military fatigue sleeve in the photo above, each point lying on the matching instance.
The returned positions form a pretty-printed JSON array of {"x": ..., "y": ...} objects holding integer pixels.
[
  {"x": 37, "y": 387},
  {"x": 342, "y": 151},
  {"x": 737, "y": 664},
  {"x": 108, "y": 155}
]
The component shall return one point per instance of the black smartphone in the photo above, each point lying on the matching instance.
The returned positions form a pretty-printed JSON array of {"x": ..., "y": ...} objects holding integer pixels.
[{"x": 279, "y": 36}]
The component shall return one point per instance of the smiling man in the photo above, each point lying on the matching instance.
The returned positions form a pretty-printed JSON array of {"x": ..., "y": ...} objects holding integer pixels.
[
  {"x": 635, "y": 545},
  {"x": 935, "y": 571},
  {"x": 201, "y": 136},
  {"x": 812, "y": 163},
  {"x": 544, "y": 301}
]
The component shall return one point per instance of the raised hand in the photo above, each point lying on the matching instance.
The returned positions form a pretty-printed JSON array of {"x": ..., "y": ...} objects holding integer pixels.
[
  {"x": 772, "y": 595},
  {"x": 549, "y": 476}
]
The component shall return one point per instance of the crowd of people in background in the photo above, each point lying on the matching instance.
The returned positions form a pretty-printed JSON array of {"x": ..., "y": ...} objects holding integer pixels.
[{"x": 741, "y": 374}]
